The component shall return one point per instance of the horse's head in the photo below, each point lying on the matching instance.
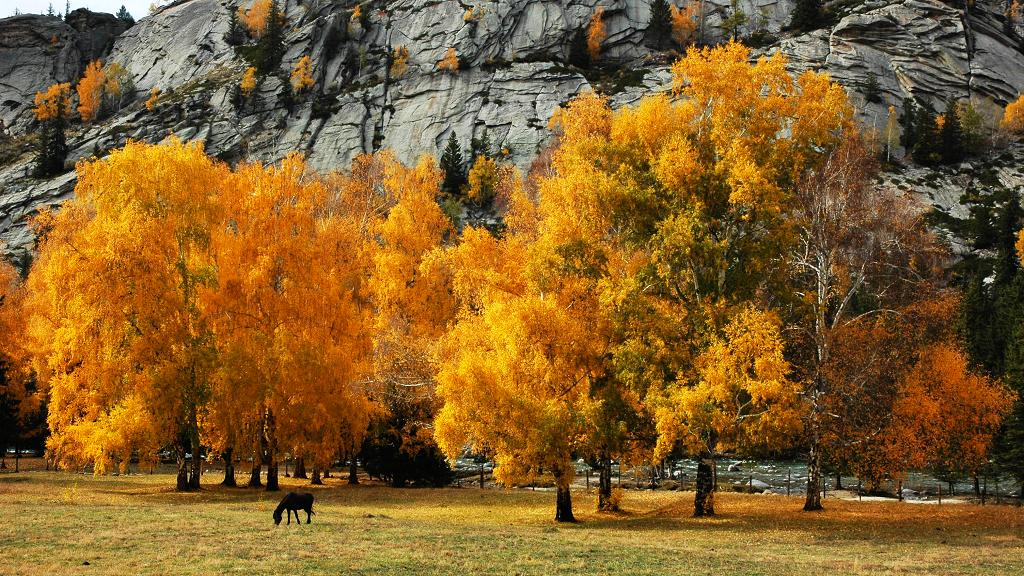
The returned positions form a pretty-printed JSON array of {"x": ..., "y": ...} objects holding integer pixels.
[{"x": 277, "y": 517}]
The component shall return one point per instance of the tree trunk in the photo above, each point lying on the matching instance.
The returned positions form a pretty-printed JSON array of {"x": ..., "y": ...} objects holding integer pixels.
[
  {"x": 813, "y": 501},
  {"x": 254, "y": 475},
  {"x": 270, "y": 452},
  {"x": 272, "y": 483},
  {"x": 17, "y": 458},
  {"x": 300, "y": 469},
  {"x": 316, "y": 476},
  {"x": 353, "y": 471},
  {"x": 977, "y": 487},
  {"x": 196, "y": 465},
  {"x": 704, "y": 500},
  {"x": 604, "y": 484},
  {"x": 563, "y": 497},
  {"x": 181, "y": 485},
  {"x": 839, "y": 481},
  {"x": 229, "y": 468}
]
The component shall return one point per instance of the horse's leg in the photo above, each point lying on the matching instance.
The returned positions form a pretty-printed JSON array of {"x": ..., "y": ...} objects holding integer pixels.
[
  {"x": 308, "y": 514},
  {"x": 289, "y": 517}
]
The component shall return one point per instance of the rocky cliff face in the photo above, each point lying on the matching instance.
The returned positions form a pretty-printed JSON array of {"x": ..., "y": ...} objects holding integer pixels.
[
  {"x": 514, "y": 72},
  {"x": 37, "y": 51}
]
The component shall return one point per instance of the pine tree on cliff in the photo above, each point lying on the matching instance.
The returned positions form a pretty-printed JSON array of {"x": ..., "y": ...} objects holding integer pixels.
[
  {"x": 51, "y": 144},
  {"x": 952, "y": 135},
  {"x": 578, "y": 55},
  {"x": 235, "y": 36},
  {"x": 453, "y": 166},
  {"x": 659, "y": 28},
  {"x": 271, "y": 44},
  {"x": 480, "y": 147},
  {"x": 807, "y": 15},
  {"x": 124, "y": 16},
  {"x": 925, "y": 150}
]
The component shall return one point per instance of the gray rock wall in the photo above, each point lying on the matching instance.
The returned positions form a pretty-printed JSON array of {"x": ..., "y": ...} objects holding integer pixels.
[{"x": 514, "y": 73}]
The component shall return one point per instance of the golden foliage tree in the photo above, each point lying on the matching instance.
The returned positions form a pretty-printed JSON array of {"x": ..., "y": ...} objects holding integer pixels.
[
  {"x": 127, "y": 358},
  {"x": 154, "y": 96},
  {"x": 743, "y": 399},
  {"x": 596, "y": 34},
  {"x": 255, "y": 17},
  {"x": 399, "y": 61},
  {"x": 54, "y": 102},
  {"x": 90, "y": 91},
  {"x": 516, "y": 370},
  {"x": 411, "y": 297},
  {"x": 19, "y": 399},
  {"x": 287, "y": 312},
  {"x": 248, "y": 84},
  {"x": 117, "y": 85},
  {"x": 694, "y": 192},
  {"x": 302, "y": 75},
  {"x": 1013, "y": 117},
  {"x": 684, "y": 23},
  {"x": 450, "y": 62},
  {"x": 483, "y": 180}
]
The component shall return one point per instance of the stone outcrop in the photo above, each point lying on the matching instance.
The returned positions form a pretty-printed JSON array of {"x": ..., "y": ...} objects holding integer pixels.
[
  {"x": 37, "y": 51},
  {"x": 514, "y": 72},
  {"x": 916, "y": 48}
]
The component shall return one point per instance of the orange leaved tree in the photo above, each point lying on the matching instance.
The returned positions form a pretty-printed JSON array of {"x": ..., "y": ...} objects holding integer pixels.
[
  {"x": 902, "y": 396},
  {"x": 286, "y": 310},
  {"x": 119, "y": 338},
  {"x": 861, "y": 250},
  {"x": 411, "y": 299},
  {"x": 90, "y": 91},
  {"x": 19, "y": 400},
  {"x": 690, "y": 195}
]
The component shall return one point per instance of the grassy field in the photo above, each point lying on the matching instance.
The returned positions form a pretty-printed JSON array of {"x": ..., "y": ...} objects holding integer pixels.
[{"x": 55, "y": 523}]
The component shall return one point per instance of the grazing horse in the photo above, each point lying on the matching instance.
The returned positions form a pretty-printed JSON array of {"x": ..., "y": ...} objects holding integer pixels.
[{"x": 293, "y": 502}]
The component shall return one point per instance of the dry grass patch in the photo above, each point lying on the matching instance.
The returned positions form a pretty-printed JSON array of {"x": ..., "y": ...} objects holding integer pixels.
[{"x": 136, "y": 524}]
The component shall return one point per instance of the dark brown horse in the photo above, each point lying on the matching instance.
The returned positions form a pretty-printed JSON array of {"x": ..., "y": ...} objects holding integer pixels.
[{"x": 293, "y": 502}]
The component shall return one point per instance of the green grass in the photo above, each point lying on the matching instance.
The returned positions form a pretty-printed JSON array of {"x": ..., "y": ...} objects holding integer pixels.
[{"x": 54, "y": 522}]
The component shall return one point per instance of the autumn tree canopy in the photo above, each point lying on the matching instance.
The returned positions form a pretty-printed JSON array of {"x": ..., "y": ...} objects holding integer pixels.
[{"x": 710, "y": 270}]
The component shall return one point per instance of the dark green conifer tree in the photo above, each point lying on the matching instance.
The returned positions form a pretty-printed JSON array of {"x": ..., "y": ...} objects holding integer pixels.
[
  {"x": 926, "y": 149},
  {"x": 951, "y": 135},
  {"x": 235, "y": 36},
  {"x": 51, "y": 145},
  {"x": 659, "y": 28},
  {"x": 578, "y": 55},
  {"x": 270, "y": 46},
  {"x": 872, "y": 91},
  {"x": 807, "y": 15},
  {"x": 908, "y": 119},
  {"x": 453, "y": 166},
  {"x": 480, "y": 147},
  {"x": 124, "y": 16}
]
